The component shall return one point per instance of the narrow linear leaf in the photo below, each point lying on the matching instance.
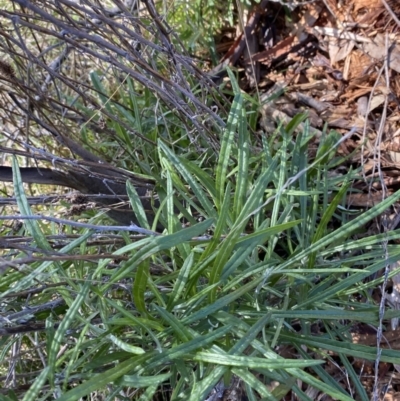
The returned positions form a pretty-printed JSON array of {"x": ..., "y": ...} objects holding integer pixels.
[
  {"x": 254, "y": 362},
  {"x": 226, "y": 146}
]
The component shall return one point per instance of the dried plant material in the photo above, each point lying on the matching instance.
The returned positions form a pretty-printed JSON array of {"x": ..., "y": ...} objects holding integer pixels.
[
  {"x": 339, "y": 34},
  {"x": 392, "y": 397},
  {"x": 375, "y": 102},
  {"x": 339, "y": 49},
  {"x": 362, "y": 106},
  {"x": 236, "y": 50},
  {"x": 390, "y": 339},
  {"x": 308, "y": 19},
  {"x": 355, "y": 94},
  {"x": 309, "y": 101},
  {"x": 278, "y": 50},
  {"x": 359, "y": 65},
  {"x": 393, "y": 146},
  {"x": 366, "y": 4},
  {"x": 6, "y": 70},
  {"x": 395, "y": 155},
  {"x": 272, "y": 113},
  {"x": 252, "y": 70},
  {"x": 338, "y": 112},
  {"x": 364, "y": 200},
  {"x": 319, "y": 86},
  {"x": 382, "y": 50}
]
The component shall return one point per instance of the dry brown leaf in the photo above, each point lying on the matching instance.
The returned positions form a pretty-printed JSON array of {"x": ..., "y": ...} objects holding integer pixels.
[
  {"x": 359, "y": 64},
  {"x": 376, "y": 101},
  {"x": 392, "y": 397},
  {"x": 352, "y": 95},
  {"x": 339, "y": 49},
  {"x": 379, "y": 50},
  {"x": 342, "y": 111},
  {"x": 309, "y": 19},
  {"x": 366, "y": 4}
]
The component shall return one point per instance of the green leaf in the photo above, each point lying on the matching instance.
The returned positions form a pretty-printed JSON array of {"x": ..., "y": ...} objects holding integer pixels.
[
  {"x": 253, "y": 362},
  {"x": 145, "y": 381},
  {"x": 226, "y": 146},
  {"x": 137, "y": 205},
  {"x": 23, "y": 205},
  {"x": 100, "y": 381},
  {"x": 342, "y": 347}
]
